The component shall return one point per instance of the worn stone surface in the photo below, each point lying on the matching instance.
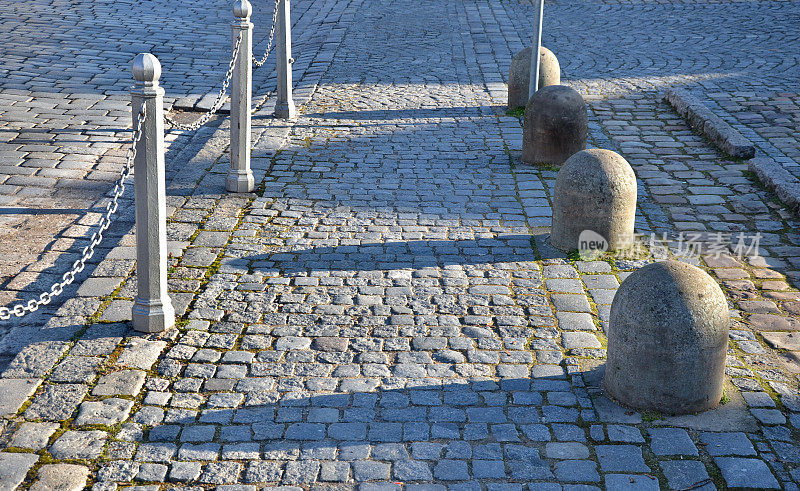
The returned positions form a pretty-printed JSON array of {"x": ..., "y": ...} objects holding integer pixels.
[
  {"x": 519, "y": 75},
  {"x": 106, "y": 412},
  {"x": 14, "y": 393},
  {"x": 141, "y": 353},
  {"x": 14, "y": 467},
  {"x": 61, "y": 477},
  {"x": 555, "y": 126},
  {"x": 667, "y": 339},
  {"x": 123, "y": 382},
  {"x": 56, "y": 402},
  {"x": 33, "y": 435},
  {"x": 78, "y": 445},
  {"x": 595, "y": 191}
]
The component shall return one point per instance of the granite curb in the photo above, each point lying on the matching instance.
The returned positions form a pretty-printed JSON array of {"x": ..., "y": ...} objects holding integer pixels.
[
  {"x": 702, "y": 119},
  {"x": 777, "y": 179}
]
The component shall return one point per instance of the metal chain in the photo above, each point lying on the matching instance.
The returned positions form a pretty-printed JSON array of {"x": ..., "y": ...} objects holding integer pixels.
[
  {"x": 259, "y": 63},
  {"x": 220, "y": 96},
  {"x": 32, "y": 305}
]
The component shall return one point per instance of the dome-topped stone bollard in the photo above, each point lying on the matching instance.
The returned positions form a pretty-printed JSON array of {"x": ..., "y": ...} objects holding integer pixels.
[
  {"x": 555, "y": 126},
  {"x": 595, "y": 190},
  {"x": 667, "y": 340},
  {"x": 519, "y": 75}
]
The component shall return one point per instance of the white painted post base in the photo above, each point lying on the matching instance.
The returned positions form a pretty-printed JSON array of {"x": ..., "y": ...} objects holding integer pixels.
[
  {"x": 284, "y": 107},
  {"x": 152, "y": 308},
  {"x": 240, "y": 176}
]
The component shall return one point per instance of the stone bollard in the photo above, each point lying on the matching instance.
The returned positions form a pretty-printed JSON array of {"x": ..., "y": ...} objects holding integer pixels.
[
  {"x": 240, "y": 176},
  {"x": 519, "y": 75},
  {"x": 555, "y": 126},
  {"x": 667, "y": 340},
  {"x": 595, "y": 190},
  {"x": 284, "y": 107},
  {"x": 152, "y": 307}
]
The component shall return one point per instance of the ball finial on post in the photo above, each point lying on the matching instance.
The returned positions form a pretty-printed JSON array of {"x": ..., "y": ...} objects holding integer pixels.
[
  {"x": 242, "y": 9},
  {"x": 146, "y": 69}
]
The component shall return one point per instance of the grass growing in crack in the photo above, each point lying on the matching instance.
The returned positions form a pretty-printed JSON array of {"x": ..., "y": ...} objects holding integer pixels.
[
  {"x": 650, "y": 416},
  {"x": 517, "y": 112}
]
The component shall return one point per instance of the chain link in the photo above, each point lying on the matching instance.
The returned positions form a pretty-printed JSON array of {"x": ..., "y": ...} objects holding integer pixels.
[
  {"x": 57, "y": 288},
  {"x": 220, "y": 96},
  {"x": 270, "y": 47}
]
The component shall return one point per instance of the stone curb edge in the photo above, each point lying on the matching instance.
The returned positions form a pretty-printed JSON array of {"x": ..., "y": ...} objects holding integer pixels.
[
  {"x": 777, "y": 179},
  {"x": 712, "y": 126}
]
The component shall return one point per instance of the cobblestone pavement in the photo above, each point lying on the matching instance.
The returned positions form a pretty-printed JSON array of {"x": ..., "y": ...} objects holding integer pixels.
[
  {"x": 385, "y": 312},
  {"x": 65, "y": 110}
]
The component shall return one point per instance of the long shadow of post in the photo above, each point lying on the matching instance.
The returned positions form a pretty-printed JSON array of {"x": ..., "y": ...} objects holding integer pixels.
[{"x": 395, "y": 255}]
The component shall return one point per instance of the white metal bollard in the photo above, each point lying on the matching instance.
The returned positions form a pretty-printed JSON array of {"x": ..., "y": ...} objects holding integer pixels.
[
  {"x": 152, "y": 308},
  {"x": 284, "y": 108},
  {"x": 536, "y": 51},
  {"x": 240, "y": 176}
]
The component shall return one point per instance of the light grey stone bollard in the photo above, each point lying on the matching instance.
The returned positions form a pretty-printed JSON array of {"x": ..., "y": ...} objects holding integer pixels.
[
  {"x": 595, "y": 190},
  {"x": 152, "y": 307},
  {"x": 519, "y": 75},
  {"x": 555, "y": 126},
  {"x": 284, "y": 108},
  {"x": 667, "y": 340},
  {"x": 240, "y": 176}
]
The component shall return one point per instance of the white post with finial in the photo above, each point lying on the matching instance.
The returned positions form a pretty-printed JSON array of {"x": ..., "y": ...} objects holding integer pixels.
[
  {"x": 536, "y": 49},
  {"x": 284, "y": 108},
  {"x": 240, "y": 176},
  {"x": 152, "y": 307}
]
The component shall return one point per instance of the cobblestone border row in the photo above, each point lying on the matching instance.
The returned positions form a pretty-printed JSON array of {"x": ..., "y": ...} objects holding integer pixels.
[
  {"x": 709, "y": 124},
  {"x": 778, "y": 180}
]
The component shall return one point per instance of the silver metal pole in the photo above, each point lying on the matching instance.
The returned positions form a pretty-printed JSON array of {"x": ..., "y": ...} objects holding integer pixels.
[
  {"x": 240, "y": 176},
  {"x": 284, "y": 107},
  {"x": 152, "y": 307},
  {"x": 536, "y": 49}
]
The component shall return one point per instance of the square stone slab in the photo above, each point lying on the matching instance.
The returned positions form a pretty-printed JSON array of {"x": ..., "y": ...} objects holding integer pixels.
[
  {"x": 141, "y": 353},
  {"x": 14, "y": 392},
  {"x": 14, "y": 467},
  {"x": 746, "y": 473},
  {"x": 783, "y": 340},
  {"x": 57, "y": 402},
  {"x": 79, "y": 445},
  {"x": 107, "y": 412},
  {"x": 76, "y": 369},
  {"x": 63, "y": 477},
  {"x": 124, "y": 382},
  {"x": 33, "y": 435}
]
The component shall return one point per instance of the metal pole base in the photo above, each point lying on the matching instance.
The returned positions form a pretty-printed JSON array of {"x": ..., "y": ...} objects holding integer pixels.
[
  {"x": 239, "y": 181},
  {"x": 286, "y": 110},
  {"x": 152, "y": 316}
]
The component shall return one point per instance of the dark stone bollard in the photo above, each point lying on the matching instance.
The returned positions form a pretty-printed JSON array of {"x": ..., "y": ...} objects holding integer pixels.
[
  {"x": 667, "y": 340},
  {"x": 555, "y": 126},
  {"x": 519, "y": 75},
  {"x": 595, "y": 190}
]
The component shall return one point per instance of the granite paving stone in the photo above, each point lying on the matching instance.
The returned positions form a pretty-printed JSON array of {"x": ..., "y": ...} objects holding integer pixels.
[{"x": 744, "y": 472}]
